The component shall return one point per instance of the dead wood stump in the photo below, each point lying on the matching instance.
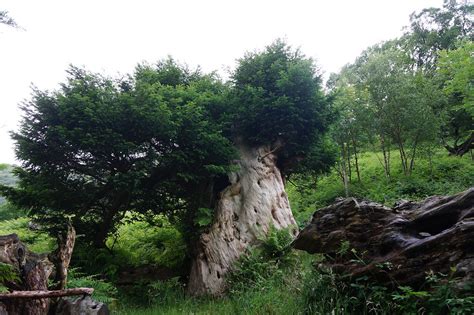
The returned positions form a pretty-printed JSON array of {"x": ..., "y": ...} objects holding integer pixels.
[{"x": 399, "y": 245}]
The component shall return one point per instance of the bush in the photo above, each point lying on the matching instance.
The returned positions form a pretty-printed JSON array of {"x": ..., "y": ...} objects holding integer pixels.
[
  {"x": 9, "y": 211},
  {"x": 325, "y": 292},
  {"x": 37, "y": 240},
  {"x": 136, "y": 243},
  {"x": 261, "y": 263},
  {"x": 141, "y": 243}
]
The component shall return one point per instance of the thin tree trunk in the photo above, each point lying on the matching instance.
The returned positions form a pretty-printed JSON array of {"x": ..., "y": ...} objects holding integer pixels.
[
  {"x": 349, "y": 167},
  {"x": 386, "y": 157},
  {"x": 412, "y": 159},
  {"x": 354, "y": 144}
]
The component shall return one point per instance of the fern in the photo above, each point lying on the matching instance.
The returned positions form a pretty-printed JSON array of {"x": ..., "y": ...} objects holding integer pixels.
[
  {"x": 7, "y": 274},
  {"x": 103, "y": 291}
]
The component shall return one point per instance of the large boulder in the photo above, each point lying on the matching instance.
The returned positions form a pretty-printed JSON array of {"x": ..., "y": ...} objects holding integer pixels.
[{"x": 398, "y": 245}]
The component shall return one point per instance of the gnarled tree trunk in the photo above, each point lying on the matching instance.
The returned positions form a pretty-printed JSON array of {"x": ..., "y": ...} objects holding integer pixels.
[
  {"x": 34, "y": 271},
  {"x": 254, "y": 201},
  {"x": 399, "y": 245}
]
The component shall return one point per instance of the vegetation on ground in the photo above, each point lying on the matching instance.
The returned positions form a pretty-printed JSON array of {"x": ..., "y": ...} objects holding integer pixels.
[{"x": 137, "y": 164}]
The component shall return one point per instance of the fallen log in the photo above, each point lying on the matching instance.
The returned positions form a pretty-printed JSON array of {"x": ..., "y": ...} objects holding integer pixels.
[
  {"x": 396, "y": 246},
  {"x": 45, "y": 294}
]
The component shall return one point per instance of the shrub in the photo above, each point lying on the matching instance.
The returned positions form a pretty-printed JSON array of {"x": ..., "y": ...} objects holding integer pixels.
[
  {"x": 103, "y": 291},
  {"x": 263, "y": 262},
  {"x": 37, "y": 240},
  {"x": 7, "y": 274}
]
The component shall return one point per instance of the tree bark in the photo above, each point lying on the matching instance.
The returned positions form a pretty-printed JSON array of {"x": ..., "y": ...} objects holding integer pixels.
[
  {"x": 45, "y": 294},
  {"x": 463, "y": 148},
  {"x": 34, "y": 270},
  {"x": 396, "y": 246},
  {"x": 62, "y": 256},
  {"x": 246, "y": 210}
]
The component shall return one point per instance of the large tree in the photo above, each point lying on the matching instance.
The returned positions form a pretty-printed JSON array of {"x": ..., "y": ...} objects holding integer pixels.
[
  {"x": 98, "y": 148},
  {"x": 178, "y": 142},
  {"x": 433, "y": 33},
  {"x": 456, "y": 74},
  {"x": 434, "y": 29},
  {"x": 279, "y": 114}
]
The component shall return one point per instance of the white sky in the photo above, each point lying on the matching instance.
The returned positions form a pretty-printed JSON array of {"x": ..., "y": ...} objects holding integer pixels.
[{"x": 112, "y": 36}]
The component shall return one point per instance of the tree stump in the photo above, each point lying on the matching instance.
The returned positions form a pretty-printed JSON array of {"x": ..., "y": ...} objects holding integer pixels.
[
  {"x": 399, "y": 245},
  {"x": 34, "y": 270}
]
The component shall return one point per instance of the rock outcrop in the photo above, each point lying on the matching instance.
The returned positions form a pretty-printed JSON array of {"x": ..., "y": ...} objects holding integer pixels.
[
  {"x": 254, "y": 201},
  {"x": 398, "y": 245}
]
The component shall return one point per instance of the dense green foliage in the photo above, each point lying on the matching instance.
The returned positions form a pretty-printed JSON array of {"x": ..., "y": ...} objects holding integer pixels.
[
  {"x": 437, "y": 174},
  {"x": 7, "y": 274},
  {"x": 98, "y": 148},
  {"x": 37, "y": 240},
  {"x": 279, "y": 101},
  {"x": 137, "y": 165},
  {"x": 161, "y": 141},
  {"x": 410, "y": 94}
]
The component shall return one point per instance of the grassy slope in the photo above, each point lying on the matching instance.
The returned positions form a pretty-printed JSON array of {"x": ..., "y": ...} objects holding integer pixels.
[{"x": 446, "y": 175}]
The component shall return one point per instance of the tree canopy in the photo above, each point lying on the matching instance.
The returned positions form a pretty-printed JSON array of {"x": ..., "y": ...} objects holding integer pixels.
[
  {"x": 161, "y": 140},
  {"x": 98, "y": 147},
  {"x": 278, "y": 100}
]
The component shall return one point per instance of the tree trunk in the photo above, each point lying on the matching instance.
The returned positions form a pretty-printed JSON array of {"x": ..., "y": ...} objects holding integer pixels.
[
  {"x": 34, "y": 271},
  {"x": 254, "y": 201},
  {"x": 386, "y": 156},
  {"x": 354, "y": 144},
  {"x": 348, "y": 155},
  {"x": 396, "y": 246},
  {"x": 462, "y": 148}
]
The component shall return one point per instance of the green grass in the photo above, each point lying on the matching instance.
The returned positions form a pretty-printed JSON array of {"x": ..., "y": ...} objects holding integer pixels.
[
  {"x": 37, "y": 241},
  {"x": 278, "y": 292},
  {"x": 446, "y": 175}
]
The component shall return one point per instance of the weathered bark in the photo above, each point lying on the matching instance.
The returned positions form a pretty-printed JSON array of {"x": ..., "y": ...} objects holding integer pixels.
[
  {"x": 46, "y": 294},
  {"x": 410, "y": 239},
  {"x": 34, "y": 271},
  {"x": 62, "y": 256},
  {"x": 31, "y": 295},
  {"x": 254, "y": 201}
]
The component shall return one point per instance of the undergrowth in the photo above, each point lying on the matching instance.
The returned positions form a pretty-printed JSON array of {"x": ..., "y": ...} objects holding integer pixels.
[{"x": 443, "y": 175}]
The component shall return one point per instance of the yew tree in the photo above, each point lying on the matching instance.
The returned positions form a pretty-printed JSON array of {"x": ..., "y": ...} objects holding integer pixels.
[
  {"x": 278, "y": 100},
  {"x": 97, "y": 148}
]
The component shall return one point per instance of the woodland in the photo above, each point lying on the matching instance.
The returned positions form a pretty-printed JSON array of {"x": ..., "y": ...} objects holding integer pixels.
[{"x": 174, "y": 191}]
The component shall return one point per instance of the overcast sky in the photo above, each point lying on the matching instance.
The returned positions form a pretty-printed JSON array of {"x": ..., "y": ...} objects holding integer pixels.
[{"x": 112, "y": 36}]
